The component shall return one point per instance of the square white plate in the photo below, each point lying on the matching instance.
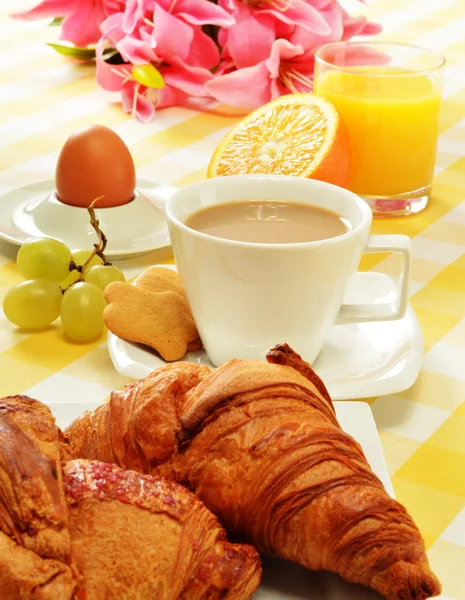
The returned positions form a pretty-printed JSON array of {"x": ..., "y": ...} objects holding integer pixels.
[
  {"x": 283, "y": 580},
  {"x": 358, "y": 360}
]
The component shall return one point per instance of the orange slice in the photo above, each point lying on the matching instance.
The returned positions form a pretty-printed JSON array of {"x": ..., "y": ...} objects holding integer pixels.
[{"x": 296, "y": 134}]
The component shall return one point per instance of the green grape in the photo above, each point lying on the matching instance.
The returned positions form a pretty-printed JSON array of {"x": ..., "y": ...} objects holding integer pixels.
[
  {"x": 102, "y": 275},
  {"x": 33, "y": 304},
  {"x": 80, "y": 257},
  {"x": 82, "y": 311},
  {"x": 44, "y": 258}
]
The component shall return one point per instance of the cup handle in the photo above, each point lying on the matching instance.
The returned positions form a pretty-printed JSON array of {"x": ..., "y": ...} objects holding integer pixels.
[{"x": 388, "y": 311}]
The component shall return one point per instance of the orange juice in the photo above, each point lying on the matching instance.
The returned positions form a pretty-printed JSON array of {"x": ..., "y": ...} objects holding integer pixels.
[{"x": 392, "y": 119}]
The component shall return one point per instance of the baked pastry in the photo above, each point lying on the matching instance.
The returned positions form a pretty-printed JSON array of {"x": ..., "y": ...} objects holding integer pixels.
[
  {"x": 32, "y": 506},
  {"x": 89, "y": 530},
  {"x": 139, "y": 428},
  {"x": 25, "y": 575},
  {"x": 261, "y": 446},
  {"x": 136, "y": 536},
  {"x": 35, "y": 546}
]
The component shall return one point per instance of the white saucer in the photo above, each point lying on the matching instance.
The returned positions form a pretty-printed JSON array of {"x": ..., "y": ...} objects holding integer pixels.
[
  {"x": 135, "y": 228},
  {"x": 357, "y": 361},
  {"x": 283, "y": 580}
]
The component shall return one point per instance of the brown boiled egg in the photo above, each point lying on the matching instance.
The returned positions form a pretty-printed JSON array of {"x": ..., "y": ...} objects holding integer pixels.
[{"x": 95, "y": 162}]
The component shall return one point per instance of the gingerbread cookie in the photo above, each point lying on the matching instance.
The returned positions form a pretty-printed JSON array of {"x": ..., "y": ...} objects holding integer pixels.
[
  {"x": 159, "y": 279},
  {"x": 162, "y": 320}
]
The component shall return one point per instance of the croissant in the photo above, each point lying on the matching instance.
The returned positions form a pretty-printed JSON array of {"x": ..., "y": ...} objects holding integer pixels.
[
  {"x": 35, "y": 545},
  {"x": 137, "y": 536},
  {"x": 89, "y": 530},
  {"x": 140, "y": 427},
  {"x": 262, "y": 448}
]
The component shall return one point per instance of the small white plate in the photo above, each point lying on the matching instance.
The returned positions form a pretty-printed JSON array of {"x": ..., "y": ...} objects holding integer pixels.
[
  {"x": 357, "y": 361},
  {"x": 135, "y": 228},
  {"x": 283, "y": 580}
]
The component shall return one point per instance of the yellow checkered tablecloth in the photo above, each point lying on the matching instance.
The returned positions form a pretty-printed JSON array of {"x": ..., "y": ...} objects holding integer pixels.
[{"x": 43, "y": 98}]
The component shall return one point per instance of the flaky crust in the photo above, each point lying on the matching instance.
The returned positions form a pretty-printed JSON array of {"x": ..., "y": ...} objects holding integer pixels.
[
  {"x": 94, "y": 531},
  {"x": 32, "y": 504},
  {"x": 139, "y": 427},
  {"x": 261, "y": 446},
  {"x": 138, "y": 537},
  {"x": 292, "y": 482},
  {"x": 24, "y": 575},
  {"x": 35, "y": 546}
]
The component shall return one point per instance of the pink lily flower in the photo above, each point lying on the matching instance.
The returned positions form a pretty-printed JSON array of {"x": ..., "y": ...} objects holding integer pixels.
[
  {"x": 340, "y": 24},
  {"x": 81, "y": 17},
  {"x": 354, "y": 26},
  {"x": 257, "y": 23},
  {"x": 164, "y": 55},
  {"x": 176, "y": 25},
  {"x": 288, "y": 69},
  {"x": 148, "y": 39},
  {"x": 195, "y": 12},
  {"x": 198, "y": 12},
  {"x": 181, "y": 82}
]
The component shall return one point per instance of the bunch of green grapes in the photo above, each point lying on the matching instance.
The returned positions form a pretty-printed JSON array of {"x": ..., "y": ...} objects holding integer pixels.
[{"x": 57, "y": 285}]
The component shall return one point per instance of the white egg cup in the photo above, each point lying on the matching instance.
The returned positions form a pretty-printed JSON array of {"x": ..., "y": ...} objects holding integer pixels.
[{"x": 134, "y": 228}]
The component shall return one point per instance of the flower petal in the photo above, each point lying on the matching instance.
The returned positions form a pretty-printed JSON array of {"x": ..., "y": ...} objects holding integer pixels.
[
  {"x": 136, "y": 51},
  {"x": 132, "y": 14},
  {"x": 135, "y": 101},
  {"x": 173, "y": 36},
  {"x": 251, "y": 38},
  {"x": 82, "y": 18},
  {"x": 110, "y": 77},
  {"x": 202, "y": 12},
  {"x": 355, "y": 26},
  {"x": 309, "y": 40},
  {"x": 190, "y": 80},
  {"x": 334, "y": 17},
  {"x": 319, "y": 4},
  {"x": 112, "y": 29},
  {"x": 146, "y": 35},
  {"x": 247, "y": 88},
  {"x": 278, "y": 89},
  {"x": 225, "y": 66},
  {"x": 358, "y": 26},
  {"x": 203, "y": 51},
  {"x": 282, "y": 50},
  {"x": 223, "y": 37},
  {"x": 372, "y": 28},
  {"x": 302, "y": 14},
  {"x": 113, "y": 6},
  {"x": 229, "y": 5},
  {"x": 82, "y": 26},
  {"x": 171, "y": 96},
  {"x": 47, "y": 8}
]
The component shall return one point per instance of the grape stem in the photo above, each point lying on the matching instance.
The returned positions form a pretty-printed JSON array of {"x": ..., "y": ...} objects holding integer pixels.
[{"x": 99, "y": 247}]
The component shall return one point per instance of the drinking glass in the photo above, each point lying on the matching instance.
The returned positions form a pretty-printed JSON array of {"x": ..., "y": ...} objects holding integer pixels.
[{"x": 389, "y": 96}]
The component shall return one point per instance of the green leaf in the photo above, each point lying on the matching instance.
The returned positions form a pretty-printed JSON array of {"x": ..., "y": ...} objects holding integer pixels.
[
  {"x": 148, "y": 75},
  {"x": 56, "y": 21},
  {"x": 74, "y": 51}
]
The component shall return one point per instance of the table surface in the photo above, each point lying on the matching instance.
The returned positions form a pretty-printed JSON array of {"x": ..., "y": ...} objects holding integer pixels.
[{"x": 44, "y": 97}]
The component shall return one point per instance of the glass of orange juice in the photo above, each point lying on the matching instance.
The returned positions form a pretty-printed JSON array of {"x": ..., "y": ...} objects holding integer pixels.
[{"x": 389, "y": 96}]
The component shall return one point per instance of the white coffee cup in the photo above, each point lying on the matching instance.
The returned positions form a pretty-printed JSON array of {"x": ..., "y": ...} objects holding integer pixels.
[{"x": 246, "y": 297}]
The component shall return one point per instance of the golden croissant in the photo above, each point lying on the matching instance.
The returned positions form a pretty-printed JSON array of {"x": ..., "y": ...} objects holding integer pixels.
[
  {"x": 87, "y": 530},
  {"x": 260, "y": 445}
]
